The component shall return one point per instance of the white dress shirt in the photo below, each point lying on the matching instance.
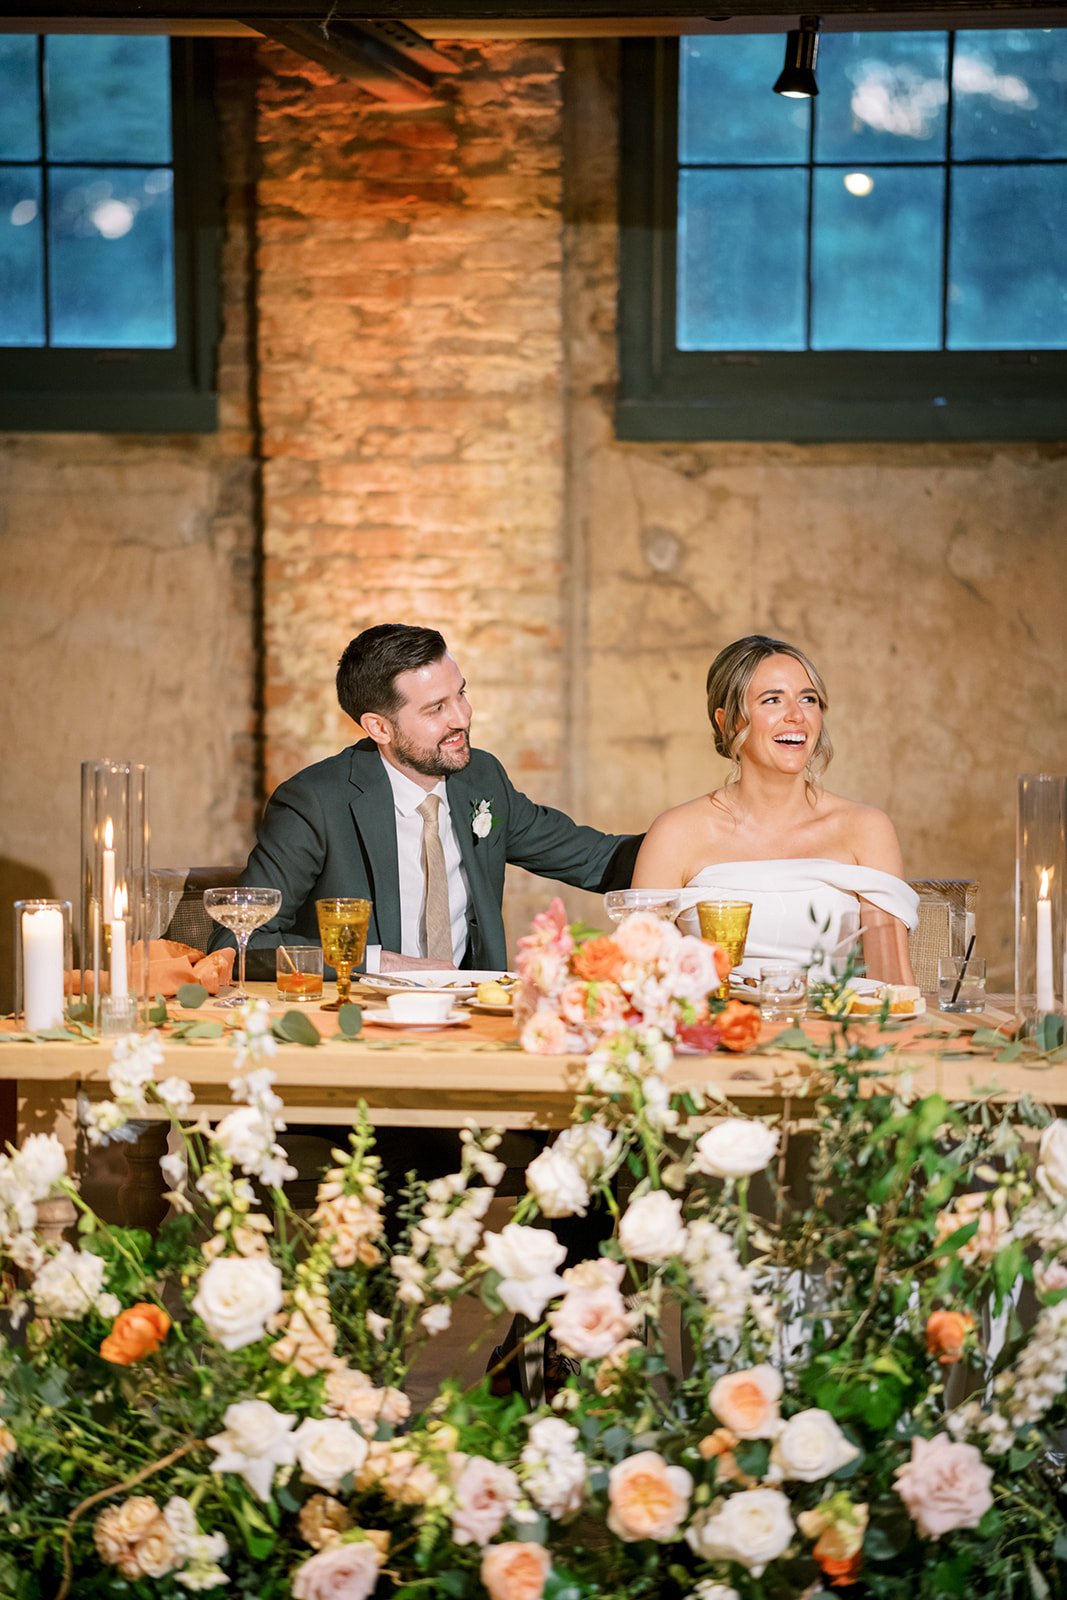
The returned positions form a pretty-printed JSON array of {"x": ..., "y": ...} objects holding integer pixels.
[{"x": 407, "y": 797}]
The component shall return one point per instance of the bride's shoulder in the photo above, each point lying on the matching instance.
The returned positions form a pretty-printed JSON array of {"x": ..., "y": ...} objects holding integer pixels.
[
  {"x": 870, "y": 836},
  {"x": 682, "y": 816}
]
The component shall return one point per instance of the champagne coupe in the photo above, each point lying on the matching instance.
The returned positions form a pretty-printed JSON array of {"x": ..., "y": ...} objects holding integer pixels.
[
  {"x": 622, "y": 903},
  {"x": 241, "y": 911},
  {"x": 725, "y": 923},
  {"x": 343, "y": 928}
]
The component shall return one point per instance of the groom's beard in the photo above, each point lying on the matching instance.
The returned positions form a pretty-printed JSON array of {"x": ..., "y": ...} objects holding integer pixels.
[{"x": 433, "y": 761}]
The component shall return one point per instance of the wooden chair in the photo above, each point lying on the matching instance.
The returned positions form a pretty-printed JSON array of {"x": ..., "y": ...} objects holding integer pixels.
[
  {"x": 947, "y": 909},
  {"x": 177, "y": 897}
]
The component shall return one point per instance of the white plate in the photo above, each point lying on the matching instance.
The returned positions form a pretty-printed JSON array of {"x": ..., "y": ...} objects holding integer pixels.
[
  {"x": 385, "y": 1019},
  {"x": 448, "y": 980}
]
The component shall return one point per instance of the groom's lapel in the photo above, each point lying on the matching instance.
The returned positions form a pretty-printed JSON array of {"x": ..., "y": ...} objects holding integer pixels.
[
  {"x": 460, "y": 804},
  {"x": 374, "y": 815}
]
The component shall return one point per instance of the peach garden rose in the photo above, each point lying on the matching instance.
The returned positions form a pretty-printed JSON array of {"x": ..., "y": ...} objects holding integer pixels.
[
  {"x": 647, "y": 1498},
  {"x": 515, "y": 1571},
  {"x": 746, "y": 1402}
]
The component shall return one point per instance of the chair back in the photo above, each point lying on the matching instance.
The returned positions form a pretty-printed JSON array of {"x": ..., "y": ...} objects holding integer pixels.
[
  {"x": 947, "y": 912},
  {"x": 178, "y": 902}
]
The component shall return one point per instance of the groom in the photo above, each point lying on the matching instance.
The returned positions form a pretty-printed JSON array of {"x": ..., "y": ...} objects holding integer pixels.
[{"x": 414, "y": 820}]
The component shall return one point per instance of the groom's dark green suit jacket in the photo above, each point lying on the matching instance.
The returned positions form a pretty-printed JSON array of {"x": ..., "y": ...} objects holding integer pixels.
[{"x": 331, "y": 830}]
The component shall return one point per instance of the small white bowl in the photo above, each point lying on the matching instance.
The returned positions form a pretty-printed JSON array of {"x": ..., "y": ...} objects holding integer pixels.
[{"x": 414, "y": 1007}]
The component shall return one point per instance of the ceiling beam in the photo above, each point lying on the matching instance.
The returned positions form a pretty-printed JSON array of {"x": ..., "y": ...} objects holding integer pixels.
[
  {"x": 492, "y": 15},
  {"x": 388, "y": 59}
]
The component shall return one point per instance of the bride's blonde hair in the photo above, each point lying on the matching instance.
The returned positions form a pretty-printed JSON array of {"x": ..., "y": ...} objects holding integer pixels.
[{"x": 728, "y": 679}]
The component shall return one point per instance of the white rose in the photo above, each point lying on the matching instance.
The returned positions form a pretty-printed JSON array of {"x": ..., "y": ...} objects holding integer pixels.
[
  {"x": 69, "y": 1284},
  {"x": 39, "y": 1164},
  {"x": 652, "y": 1228},
  {"x": 1052, "y": 1160},
  {"x": 235, "y": 1297},
  {"x": 526, "y": 1259},
  {"x": 557, "y": 1185},
  {"x": 328, "y": 1450},
  {"x": 811, "y": 1446},
  {"x": 752, "y": 1528},
  {"x": 256, "y": 1441},
  {"x": 482, "y": 822},
  {"x": 735, "y": 1148}
]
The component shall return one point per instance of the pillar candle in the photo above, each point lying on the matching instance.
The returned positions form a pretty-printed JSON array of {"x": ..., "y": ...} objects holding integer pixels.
[
  {"x": 42, "y": 968},
  {"x": 1045, "y": 993},
  {"x": 119, "y": 983},
  {"x": 107, "y": 887}
]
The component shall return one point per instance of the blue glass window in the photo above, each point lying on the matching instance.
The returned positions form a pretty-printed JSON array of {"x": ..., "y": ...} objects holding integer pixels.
[
  {"x": 915, "y": 205},
  {"x": 86, "y": 193}
]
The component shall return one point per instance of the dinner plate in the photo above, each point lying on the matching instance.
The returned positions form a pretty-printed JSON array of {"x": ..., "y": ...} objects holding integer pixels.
[
  {"x": 490, "y": 1011},
  {"x": 448, "y": 980},
  {"x": 383, "y": 1018}
]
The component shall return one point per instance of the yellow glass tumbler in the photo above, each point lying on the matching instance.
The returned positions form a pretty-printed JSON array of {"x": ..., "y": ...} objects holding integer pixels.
[
  {"x": 725, "y": 923},
  {"x": 343, "y": 928}
]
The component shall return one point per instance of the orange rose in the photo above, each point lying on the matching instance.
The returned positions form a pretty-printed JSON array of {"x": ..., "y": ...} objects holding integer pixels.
[
  {"x": 723, "y": 965},
  {"x": 841, "y": 1570},
  {"x": 598, "y": 960},
  {"x": 516, "y": 1571},
  {"x": 946, "y": 1334},
  {"x": 738, "y": 1025},
  {"x": 138, "y": 1331}
]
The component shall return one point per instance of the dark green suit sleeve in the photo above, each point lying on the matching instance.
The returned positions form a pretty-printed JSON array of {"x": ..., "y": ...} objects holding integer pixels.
[{"x": 547, "y": 842}]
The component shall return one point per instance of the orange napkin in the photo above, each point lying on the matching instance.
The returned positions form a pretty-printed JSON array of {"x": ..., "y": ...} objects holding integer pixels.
[{"x": 169, "y": 966}]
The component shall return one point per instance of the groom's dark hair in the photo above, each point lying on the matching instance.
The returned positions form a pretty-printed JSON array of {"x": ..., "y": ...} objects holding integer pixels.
[{"x": 368, "y": 669}]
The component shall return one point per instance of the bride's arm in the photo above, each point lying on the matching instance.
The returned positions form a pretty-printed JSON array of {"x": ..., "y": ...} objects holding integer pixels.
[
  {"x": 661, "y": 860},
  {"x": 885, "y": 938}
]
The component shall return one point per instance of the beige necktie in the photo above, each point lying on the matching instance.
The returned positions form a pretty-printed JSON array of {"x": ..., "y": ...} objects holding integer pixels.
[{"x": 438, "y": 915}]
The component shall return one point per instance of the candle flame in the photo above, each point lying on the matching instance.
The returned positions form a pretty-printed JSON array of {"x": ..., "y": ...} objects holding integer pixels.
[
  {"x": 1042, "y": 893},
  {"x": 121, "y": 903},
  {"x": 109, "y": 835}
]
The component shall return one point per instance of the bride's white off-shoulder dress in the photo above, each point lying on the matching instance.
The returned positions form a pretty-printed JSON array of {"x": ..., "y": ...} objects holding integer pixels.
[{"x": 801, "y": 908}]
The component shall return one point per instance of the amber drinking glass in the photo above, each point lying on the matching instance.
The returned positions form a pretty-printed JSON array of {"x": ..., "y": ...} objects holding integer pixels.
[
  {"x": 343, "y": 928},
  {"x": 725, "y": 922}
]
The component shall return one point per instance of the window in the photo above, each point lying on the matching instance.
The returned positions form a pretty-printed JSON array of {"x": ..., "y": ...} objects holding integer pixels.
[
  {"x": 886, "y": 261},
  {"x": 107, "y": 246}
]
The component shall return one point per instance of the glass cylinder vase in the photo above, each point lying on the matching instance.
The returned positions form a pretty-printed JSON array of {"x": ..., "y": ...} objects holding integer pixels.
[
  {"x": 1040, "y": 865},
  {"x": 43, "y": 960},
  {"x": 114, "y": 894}
]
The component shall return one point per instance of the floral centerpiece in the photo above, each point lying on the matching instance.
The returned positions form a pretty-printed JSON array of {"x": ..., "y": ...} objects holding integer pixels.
[{"x": 810, "y": 1362}]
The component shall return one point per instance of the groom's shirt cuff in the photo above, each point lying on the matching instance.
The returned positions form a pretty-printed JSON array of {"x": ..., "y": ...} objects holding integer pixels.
[{"x": 373, "y": 959}]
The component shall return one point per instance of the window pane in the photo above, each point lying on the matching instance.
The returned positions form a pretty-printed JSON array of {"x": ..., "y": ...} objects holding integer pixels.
[
  {"x": 21, "y": 264},
  {"x": 1008, "y": 262},
  {"x": 1010, "y": 90},
  {"x": 882, "y": 97},
  {"x": 741, "y": 240},
  {"x": 20, "y": 134},
  {"x": 876, "y": 261},
  {"x": 726, "y": 111},
  {"x": 111, "y": 236},
  {"x": 108, "y": 99}
]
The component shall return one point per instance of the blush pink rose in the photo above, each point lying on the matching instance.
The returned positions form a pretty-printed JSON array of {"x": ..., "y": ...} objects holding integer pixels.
[
  {"x": 485, "y": 1494},
  {"x": 340, "y": 1572},
  {"x": 590, "y": 1322},
  {"x": 545, "y": 1034},
  {"x": 549, "y": 931},
  {"x": 543, "y": 970},
  {"x": 644, "y": 938},
  {"x": 945, "y": 1485},
  {"x": 516, "y": 1571}
]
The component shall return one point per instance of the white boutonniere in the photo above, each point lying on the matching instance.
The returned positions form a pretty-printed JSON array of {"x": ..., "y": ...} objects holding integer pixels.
[{"x": 482, "y": 819}]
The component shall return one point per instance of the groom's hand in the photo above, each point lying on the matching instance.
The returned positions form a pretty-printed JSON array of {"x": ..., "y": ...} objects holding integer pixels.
[{"x": 393, "y": 961}]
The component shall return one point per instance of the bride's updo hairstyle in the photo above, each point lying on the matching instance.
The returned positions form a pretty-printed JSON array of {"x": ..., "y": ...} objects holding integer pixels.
[{"x": 729, "y": 677}]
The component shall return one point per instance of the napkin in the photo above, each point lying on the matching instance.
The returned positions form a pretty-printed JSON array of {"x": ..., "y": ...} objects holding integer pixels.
[{"x": 171, "y": 964}]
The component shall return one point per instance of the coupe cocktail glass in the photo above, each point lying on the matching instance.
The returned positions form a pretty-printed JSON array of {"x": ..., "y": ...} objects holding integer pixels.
[
  {"x": 343, "y": 928},
  {"x": 242, "y": 911}
]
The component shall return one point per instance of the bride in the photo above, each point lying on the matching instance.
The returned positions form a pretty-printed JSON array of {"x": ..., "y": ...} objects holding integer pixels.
[{"x": 817, "y": 868}]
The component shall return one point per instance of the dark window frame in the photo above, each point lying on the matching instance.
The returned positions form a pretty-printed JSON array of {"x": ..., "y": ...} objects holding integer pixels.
[
  {"x": 804, "y": 396},
  {"x": 143, "y": 390}
]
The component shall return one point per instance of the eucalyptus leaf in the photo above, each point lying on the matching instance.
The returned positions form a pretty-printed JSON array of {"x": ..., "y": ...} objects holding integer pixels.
[
  {"x": 1012, "y": 1052},
  {"x": 1049, "y": 1032},
  {"x": 157, "y": 1012},
  {"x": 53, "y": 1033},
  {"x": 191, "y": 996},
  {"x": 790, "y": 1039},
  {"x": 207, "y": 1029},
  {"x": 350, "y": 1020},
  {"x": 295, "y": 1028}
]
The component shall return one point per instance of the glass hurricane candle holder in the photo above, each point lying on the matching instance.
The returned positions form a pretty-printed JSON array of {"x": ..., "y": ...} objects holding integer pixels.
[
  {"x": 1040, "y": 864},
  {"x": 43, "y": 959},
  {"x": 113, "y": 926}
]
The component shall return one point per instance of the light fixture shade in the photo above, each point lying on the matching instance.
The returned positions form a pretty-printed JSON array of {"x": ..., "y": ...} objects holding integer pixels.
[{"x": 797, "y": 77}]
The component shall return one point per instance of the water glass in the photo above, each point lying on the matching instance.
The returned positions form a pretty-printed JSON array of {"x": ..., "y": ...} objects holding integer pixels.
[
  {"x": 622, "y": 903},
  {"x": 298, "y": 971},
  {"x": 783, "y": 992},
  {"x": 961, "y": 983}
]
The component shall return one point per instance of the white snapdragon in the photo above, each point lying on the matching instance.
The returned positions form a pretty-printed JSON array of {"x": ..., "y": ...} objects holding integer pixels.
[
  {"x": 69, "y": 1284},
  {"x": 198, "y": 1554},
  {"x": 255, "y": 1442},
  {"x": 718, "y": 1278},
  {"x": 554, "y": 1470},
  {"x": 1037, "y": 1380},
  {"x": 591, "y": 1147},
  {"x": 176, "y": 1095},
  {"x": 39, "y": 1164}
]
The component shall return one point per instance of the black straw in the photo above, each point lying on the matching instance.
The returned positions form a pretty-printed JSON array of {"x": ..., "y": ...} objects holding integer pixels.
[{"x": 963, "y": 968}]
